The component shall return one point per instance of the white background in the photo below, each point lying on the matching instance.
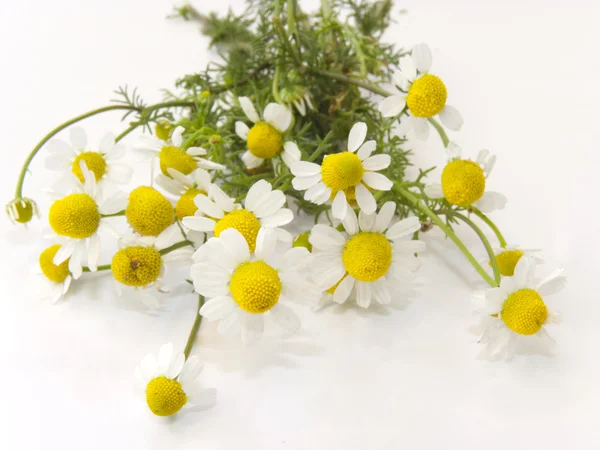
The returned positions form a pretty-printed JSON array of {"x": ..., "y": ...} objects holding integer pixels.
[{"x": 524, "y": 74}]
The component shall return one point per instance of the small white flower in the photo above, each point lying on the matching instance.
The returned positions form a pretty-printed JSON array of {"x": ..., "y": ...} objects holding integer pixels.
[
  {"x": 242, "y": 287},
  {"x": 55, "y": 280},
  {"x": 515, "y": 310},
  {"x": 423, "y": 96},
  {"x": 508, "y": 257},
  {"x": 265, "y": 138},
  {"x": 262, "y": 208},
  {"x": 368, "y": 259},
  {"x": 103, "y": 163},
  {"x": 170, "y": 382},
  {"x": 463, "y": 182}
]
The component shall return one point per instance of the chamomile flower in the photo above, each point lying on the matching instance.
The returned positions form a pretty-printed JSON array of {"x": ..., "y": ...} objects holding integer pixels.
[
  {"x": 265, "y": 138},
  {"x": 463, "y": 181},
  {"x": 171, "y": 154},
  {"x": 170, "y": 382},
  {"x": 76, "y": 220},
  {"x": 516, "y": 309},
  {"x": 368, "y": 259},
  {"x": 347, "y": 178},
  {"x": 148, "y": 211},
  {"x": 138, "y": 267},
  {"x": 103, "y": 163},
  {"x": 242, "y": 287},
  {"x": 508, "y": 257},
  {"x": 262, "y": 208},
  {"x": 56, "y": 278},
  {"x": 423, "y": 95},
  {"x": 21, "y": 210}
]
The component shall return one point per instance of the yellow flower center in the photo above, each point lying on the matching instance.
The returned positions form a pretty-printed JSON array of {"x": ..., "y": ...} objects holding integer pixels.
[
  {"x": 426, "y": 96},
  {"x": 367, "y": 256},
  {"x": 332, "y": 289},
  {"x": 524, "y": 312},
  {"x": 75, "y": 216},
  {"x": 507, "y": 261},
  {"x": 163, "y": 129},
  {"x": 264, "y": 140},
  {"x": 136, "y": 266},
  {"x": 185, "y": 206},
  {"x": 342, "y": 171},
  {"x": 49, "y": 269},
  {"x": 24, "y": 213},
  {"x": 175, "y": 158},
  {"x": 148, "y": 211},
  {"x": 255, "y": 287},
  {"x": 165, "y": 396},
  {"x": 463, "y": 182},
  {"x": 94, "y": 161},
  {"x": 243, "y": 221}
]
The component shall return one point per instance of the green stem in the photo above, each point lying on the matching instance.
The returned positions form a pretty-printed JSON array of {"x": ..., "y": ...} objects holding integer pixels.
[
  {"x": 291, "y": 17},
  {"x": 286, "y": 42},
  {"x": 103, "y": 267},
  {"x": 440, "y": 131},
  {"x": 436, "y": 220},
  {"x": 117, "y": 214},
  {"x": 492, "y": 225},
  {"x": 175, "y": 246},
  {"x": 484, "y": 240},
  {"x": 194, "y": 330},
  {"x": 349, "y": 80},
  {"x": 126, "y": 132},
  {"x": 359, "y": 51},
  {"x": 321, "y": 148},
  {"x": 275, "y": 87}
]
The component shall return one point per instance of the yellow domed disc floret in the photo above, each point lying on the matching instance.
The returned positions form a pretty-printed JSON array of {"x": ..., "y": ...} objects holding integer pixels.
[
  {"x": 264, "y": 140},
  {"x": 507, "y": 261},
  {"x": 136, "y": 266},
  {"x": 243, "y": 221},
  {"x": 148, "y": 211},
  {"x": 367, "y": 256},
  {"x": 94, "y": 161},
  {"x": 524, "y": 312},
  {"x": 185, "y": 206},
  {"x": 463, "y": 182},
  {"x": 427, "y": 96},
  {"x": 175, "y": 158},
  {"x": 53, "y": 272},
  {"x": 163, "y": 129},
  {"x": 75, "y": 216},
  {"x": 165, "y": 396},
  {"x": 342, "y": 171},
  {"x": 255, "y": 287},
  {"x": 22, "y": 210}
]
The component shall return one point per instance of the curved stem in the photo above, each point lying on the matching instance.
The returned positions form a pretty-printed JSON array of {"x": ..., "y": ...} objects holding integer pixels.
[
  {"x": 349, "y": 80},
  {"x": 175, "y": 246},
  {"x": 117, "y": 214},
  {"x": 194, "y": 330},
  {"x": 126, "y": 132},
  {"x": 436, "y": 220},
  {"x": 492, "y": 225},
  {"x": 440, "y": 131}
]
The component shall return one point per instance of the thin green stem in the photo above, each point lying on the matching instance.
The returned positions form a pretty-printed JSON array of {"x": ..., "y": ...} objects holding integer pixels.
[
  {"x": 492, "y": 225},
  {"x": 117, "y": 214},
  {"x": 194, "y": 330},
  {"x": 436, "y": 220},
  {"x": 127, "y": 131},
  {"x": 440, "y": 131},
  {"x": 286, "y": 42},
  {"x": 321, "y": 148},
  {"x": 275, "y": 86},
  {"x": 291, "y": 17},
  {"x": 176, "y": 246},
  {"x": 102, "y": 267},
  {"x": 349, "y": 80},
  {"x": 359, "y": 51}
]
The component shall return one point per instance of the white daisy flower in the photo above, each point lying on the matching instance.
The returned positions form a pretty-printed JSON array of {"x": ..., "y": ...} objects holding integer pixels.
[
  {"x": 508, "y": 257},
  {"x": 516, "y": 310},
  {"x": 423, "y": 95},
  {"x": 55, "y": 279},
  {"x": 242, "y": 287},
  {"x": 347, "y": 178},
  {"x": 76, "y": 220},
  {"x": 172, "y": 156},
  {"x": 463, "y": 181},
  {"x": 265, "y": 138},
  {"x": 262, "y": 208},
  {"x": 368, "y": 259},
  {"x": 139, "y": 266},
  {"x": 170, "y": 382},
  {"x": 103, "y": 163}
]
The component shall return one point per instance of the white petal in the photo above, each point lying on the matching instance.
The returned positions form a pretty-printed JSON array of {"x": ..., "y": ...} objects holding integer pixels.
[
  {"x": 339, "y": 207},
  {"x": 451, "y": 118},
  {"x": 403, "y": 228},
  {"x": 325, "y": 237},
  {"x": 60, "y": 146},
  {"x": 202, "y": 397},
  {"x": 366, "y": 149},
  {"x": 241, "y": 129},
  {"x": 107, "y": 142},
  {"x": 117, "y": 152},
  {"x": 453, "y": 151},
  {"x": 93, "y": 252},
  {"x": 525, "y": 272},
  {"x": 64, "y": 252},
  {"x": 252, "y": 328},
  {"x": 342, "y": 292},
  {"x": 256, "y": 194},
  {"x": 296, "y": 258},
  {"x": 192, "y": 368},
  {"x": 230, "y": 326},
  {"x": 202, "y": 179},
  {"x": 377, "y": 181},
  {"x": 221, "y": 199},
  {"x": 365, "y": 199},
  {"x": 251, "y": 161},
  {"x": 235, "y": 245},
  {"x": 552, "y": 284},
  {"x": 249, "y": 109},
  {"x": 208, "y": 207},
  {"x": 392, "y": 106},
  {"x": 400, "y": 80},
  {"x": 177, "y": 362},
  {"x": 177, "y": 136},
  {"x": 366, "y": 221},
  {"x": 410, "y": 246},
  {"x": 199, "y": 223},
  {"x": 490, "y": 201},
  {"x": 293, "y": 152},
  {"x": 377, "y": 162},
  {"x": 148, "y": 367},
  {"x": 265, "y": 244},
  {"x": 350, "y": 223},
  {"x": 196, "y": 151},
  {"x": 407, "y": 66},
  {"x": 280, "y": 218},
  {"x": 168, "y": 237},
  {"x": 357, "y": 136},
  {"x": 115, "y": 203},
  {"x": 78, "y": 138},
  {"x": 316, "y": 193},
  {"x": 305, "y": 182},
  {"x": 434, "y": 190},
  {"x": 285, "y": 318},
  {"x": 278, "y": 116},
  {"x": 300, "y": 106},
  {"x": 421, "y": 55},
  {"x": 168, "y": 184},
  {"x": 58, "y": 161},
  {"x": 328, "y": 276},
  {"x": 381, "y": 292},
  {"x": 217, "y": 308},
  {"x": 270, "y": 204},
  {"x": 179, "y": 177},
  {"x": 323, "y": 197},
  {"x": 164, "y": 358},
  {"x": 363, "y": 294},
  {"x": 384, "y": 217},
  {"x": 305, "y": 168},
  {"x": 421, "y": 127},
  {"x": 120, "y": 173}
]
